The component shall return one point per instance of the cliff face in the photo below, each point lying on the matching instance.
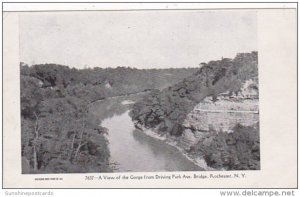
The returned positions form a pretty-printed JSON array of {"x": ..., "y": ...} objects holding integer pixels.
[
  {"x": 167, "y": 109},
  {"x": 224, "y": 111},
  {"x": 224, "y": 129}
]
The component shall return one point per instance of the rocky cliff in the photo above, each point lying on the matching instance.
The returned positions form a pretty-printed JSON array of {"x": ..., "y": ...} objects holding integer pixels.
[
  {"x": 225, "y": 110},
  {"x": 167, "y": 109}
]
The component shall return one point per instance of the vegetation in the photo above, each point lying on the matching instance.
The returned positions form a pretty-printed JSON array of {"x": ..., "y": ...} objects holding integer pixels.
[
  {"x": 239, "y": 150},
  {"x": 59, "y": 133},
  {"x": 168, "y": 108},
  {"x": 97, "y": 83}
]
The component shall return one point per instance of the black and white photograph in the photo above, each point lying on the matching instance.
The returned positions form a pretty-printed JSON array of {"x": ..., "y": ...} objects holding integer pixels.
[
  {"x": 150, "y": 96},
  {"x": 139, "y": 91}
]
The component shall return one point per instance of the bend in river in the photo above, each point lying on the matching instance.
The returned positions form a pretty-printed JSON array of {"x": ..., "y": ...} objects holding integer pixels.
[{"x": 131, "y": 149}]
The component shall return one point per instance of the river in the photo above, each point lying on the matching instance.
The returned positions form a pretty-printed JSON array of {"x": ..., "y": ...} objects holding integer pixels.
[{"x": 132, "y": 150}]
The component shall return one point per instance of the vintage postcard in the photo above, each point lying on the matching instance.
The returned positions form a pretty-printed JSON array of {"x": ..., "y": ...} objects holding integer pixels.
[{"x": 151, "y": 96}]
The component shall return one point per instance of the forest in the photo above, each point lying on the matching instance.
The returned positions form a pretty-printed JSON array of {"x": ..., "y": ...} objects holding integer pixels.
[{"x": 59, "y": 134}]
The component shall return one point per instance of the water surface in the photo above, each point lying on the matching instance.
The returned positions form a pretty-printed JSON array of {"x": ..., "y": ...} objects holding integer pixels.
[{"x": 131, "y": 149}]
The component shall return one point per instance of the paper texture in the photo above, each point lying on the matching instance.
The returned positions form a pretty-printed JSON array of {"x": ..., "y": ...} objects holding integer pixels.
[{"x": 277, "y": 68}]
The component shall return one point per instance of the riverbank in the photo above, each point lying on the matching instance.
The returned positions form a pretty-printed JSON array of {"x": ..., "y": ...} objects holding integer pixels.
[
  {"x": 238, "y": 150},
  {"x": 174, "y": 142}
]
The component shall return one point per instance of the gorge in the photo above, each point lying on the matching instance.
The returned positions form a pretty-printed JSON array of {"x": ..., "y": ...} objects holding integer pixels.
[{"x": 149, "y": 120}]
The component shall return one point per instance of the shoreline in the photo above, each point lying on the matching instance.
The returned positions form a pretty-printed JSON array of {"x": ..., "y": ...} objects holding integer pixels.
[{"x": 200, "y": 162}]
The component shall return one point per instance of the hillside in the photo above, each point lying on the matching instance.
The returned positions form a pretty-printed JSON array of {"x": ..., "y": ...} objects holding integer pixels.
[
  {"x": 103, "y": 82},
  {"x": 217, "y": 86}
]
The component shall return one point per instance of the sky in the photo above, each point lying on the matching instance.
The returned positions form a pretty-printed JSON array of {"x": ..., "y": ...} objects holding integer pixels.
[{"x": 141, "y": 39}]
